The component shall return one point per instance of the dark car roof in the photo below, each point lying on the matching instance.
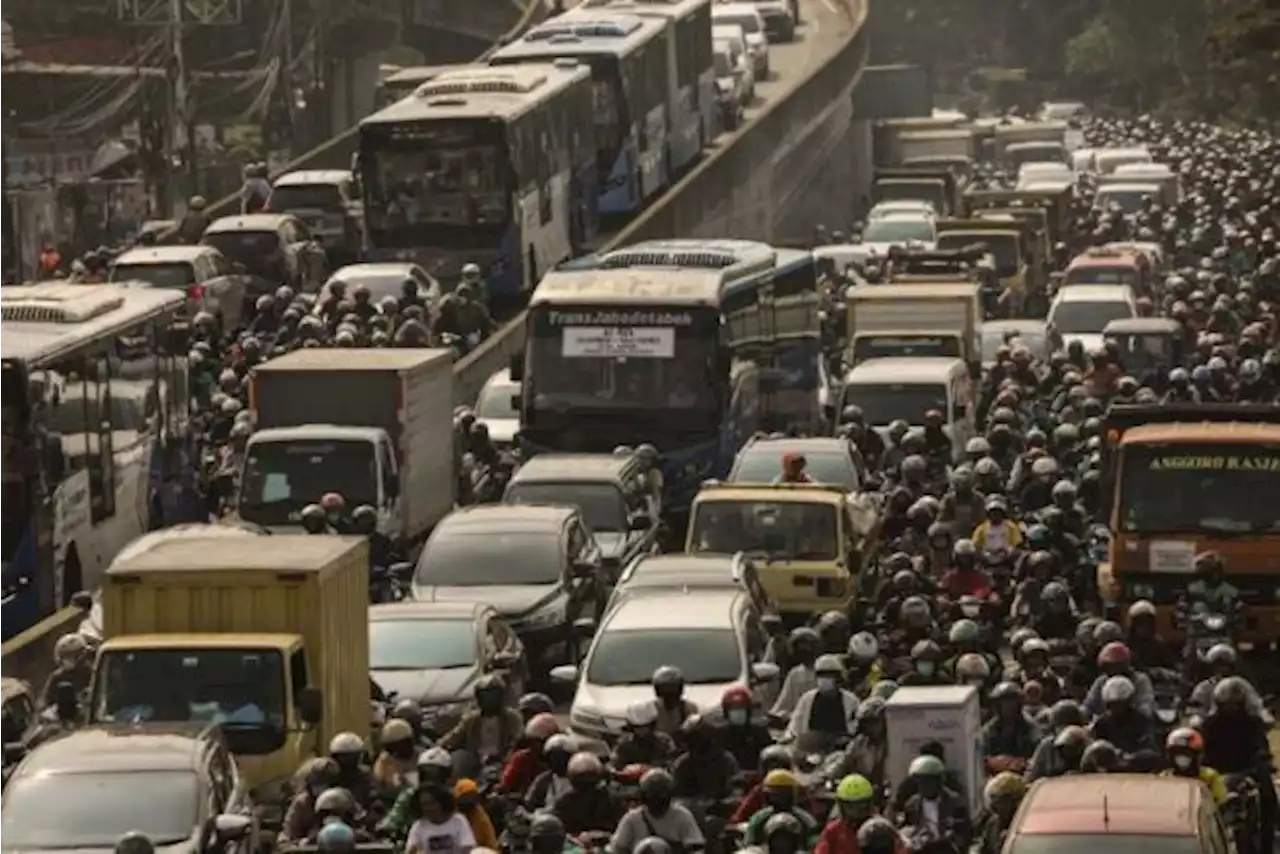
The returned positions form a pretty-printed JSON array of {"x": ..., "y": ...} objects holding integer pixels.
[{"x": 121, "y": 747}]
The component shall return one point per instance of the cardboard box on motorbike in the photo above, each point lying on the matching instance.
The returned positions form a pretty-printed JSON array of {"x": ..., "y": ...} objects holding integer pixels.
[{"x": 947, "y": 714}]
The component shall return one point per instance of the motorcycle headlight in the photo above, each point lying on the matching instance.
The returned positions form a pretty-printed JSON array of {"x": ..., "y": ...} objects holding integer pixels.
[
  {"x": 970, "y": 610},
  {"x": 1215, "y": 623},
  {"x": 1167, "y": 716}
]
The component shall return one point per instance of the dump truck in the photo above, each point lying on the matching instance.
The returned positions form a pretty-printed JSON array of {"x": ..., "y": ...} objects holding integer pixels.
[
  {"x": 373, "y": 425},
  {"x": 266, "y": 635},
  {"x": 914, "y": 319}
]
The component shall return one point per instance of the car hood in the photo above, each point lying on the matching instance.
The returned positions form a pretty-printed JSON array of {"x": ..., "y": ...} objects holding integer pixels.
[
  {"x": 503, "y": 430},
  {"x": 429, "y": 687},
  {"x": 511, "y": 600},
  {"x": 611, "y": 702},
  {"x": 611, "y": 544}
]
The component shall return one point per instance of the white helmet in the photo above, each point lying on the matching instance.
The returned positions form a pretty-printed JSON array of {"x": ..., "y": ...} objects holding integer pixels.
[
  {"x": 828, "y": 664},
  {"x": 470, "y": 272},
  {"x": 435, "y": 757},
  {"x": 864, "y": 647},
  {"x": 68, "y": 647},
  {"x": 1118, "y": 689},
  {"x": 642, "y": 715},
  {"x": 346, "y": 742}
]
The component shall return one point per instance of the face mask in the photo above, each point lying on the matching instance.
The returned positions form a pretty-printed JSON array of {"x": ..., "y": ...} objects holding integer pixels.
[
  {"x": 826, "y": 684},
  {"x": 1183, "y": 762},
  {"x": 924, "y": 668},
  {"x": 738, "y": 717}
]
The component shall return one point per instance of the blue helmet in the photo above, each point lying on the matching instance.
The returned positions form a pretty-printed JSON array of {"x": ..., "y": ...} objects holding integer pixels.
[{"x": 336, "y": 837}]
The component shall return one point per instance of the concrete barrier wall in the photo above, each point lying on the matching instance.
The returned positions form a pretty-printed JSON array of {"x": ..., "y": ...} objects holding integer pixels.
[
  {"x": 790, "y": 170},
  {"x": 29, "y": 655}
]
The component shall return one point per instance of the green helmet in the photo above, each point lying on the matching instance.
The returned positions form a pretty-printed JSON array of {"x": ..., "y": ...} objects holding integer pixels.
[
  {"x": 884, "y": 689},
  {"x": 855, "y": 787},
  {"x": 926, "y": 766},
  {"x": 964, "y": 631}
]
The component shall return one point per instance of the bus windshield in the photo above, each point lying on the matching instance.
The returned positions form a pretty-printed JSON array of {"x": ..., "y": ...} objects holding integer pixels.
[
  {"x": 436, "y": 183},
  {"x": 1219, "y": 489},
  {"x": 631, "y": 368}
]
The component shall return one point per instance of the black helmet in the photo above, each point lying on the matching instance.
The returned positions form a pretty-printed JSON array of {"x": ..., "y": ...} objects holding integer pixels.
[
  {"x": 668, "y": 676},
  {"x": 1100, "y": 756},
  {"x": 877, "y": 836},
  {"x": 313, "y": 518},
  {"x": 134, "y": 842},
  {"x": 548, "y": 826},
  {"x": 657, "y": 783},
  {"x": 364, "y": 519},
  {"x": 490, "y": 685},
  {"x": 535, "y": 704}
]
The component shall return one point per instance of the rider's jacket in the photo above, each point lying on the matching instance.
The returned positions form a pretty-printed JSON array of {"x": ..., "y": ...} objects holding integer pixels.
[
  {"x": 803, "y": 719},
  {"x": 1221, "y": 597},
  {"x": 521, "y": 770},
  {"x": 657, "y": 750},
  {"x": 1130, "y": 734},
  {"x": 707, "y": 775},
  {"x": 840, "y": 837},
  {"x": 952, "y": 813},
  {"x": 1217, "y": 785},
  {"x": 583, "y": 811},
  {"x": 1007, "y": 536},
  {"x": 1235, "y": 744},
  {"x": 1016, "y": 737},
  {"x": 468, "y": 734},
  {"x": 1202, "y": 698}
]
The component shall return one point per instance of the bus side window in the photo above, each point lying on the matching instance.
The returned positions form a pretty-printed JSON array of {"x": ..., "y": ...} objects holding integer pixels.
[{"x": 99, "y": 435}]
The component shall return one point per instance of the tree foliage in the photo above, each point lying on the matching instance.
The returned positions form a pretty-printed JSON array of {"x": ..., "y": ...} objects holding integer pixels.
[{"x": 1218, "y": 58}]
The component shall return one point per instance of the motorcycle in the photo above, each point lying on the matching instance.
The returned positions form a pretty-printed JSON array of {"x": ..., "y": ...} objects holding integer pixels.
[{"x": 1241, "y": 812}]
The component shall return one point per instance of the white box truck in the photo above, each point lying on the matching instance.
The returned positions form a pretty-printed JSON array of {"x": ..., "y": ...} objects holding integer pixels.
[
  {"x": 947, "y": 714},
  {"x": 922, "y": 319},
  {"x": 375, "y": 425}
]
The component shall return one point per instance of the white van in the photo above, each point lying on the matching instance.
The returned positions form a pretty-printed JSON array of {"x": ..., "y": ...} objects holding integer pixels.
[
  {"x": 905, "y": 388},
  {"x": 1107, "y": 159}
]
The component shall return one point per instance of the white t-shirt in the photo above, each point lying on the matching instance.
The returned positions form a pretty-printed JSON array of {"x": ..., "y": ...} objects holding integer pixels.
[{"x": 452, "y": 837}]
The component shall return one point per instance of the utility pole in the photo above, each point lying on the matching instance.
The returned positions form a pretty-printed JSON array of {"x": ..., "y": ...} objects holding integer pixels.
[{"x": 181, "y": 120}]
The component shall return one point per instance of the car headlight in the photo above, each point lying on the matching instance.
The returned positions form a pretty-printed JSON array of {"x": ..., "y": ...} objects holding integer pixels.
[{"x": 1144, "y": 591}]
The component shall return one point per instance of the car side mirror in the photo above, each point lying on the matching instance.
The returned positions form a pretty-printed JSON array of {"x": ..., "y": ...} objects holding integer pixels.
[
  {"x": 310, "y": 705},
  {"x": 773, "y": 624},
  {"x": 230, "y": 827},
  {"x": 565, "y": 674},
  {"x": 641, "y": 522},
  {"x": 584, "y": 627},
  {"x": 517, "y": 367},
  {"x": 14, "y": 752}
]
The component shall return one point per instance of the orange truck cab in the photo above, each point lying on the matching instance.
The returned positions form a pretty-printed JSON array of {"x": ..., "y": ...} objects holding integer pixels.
[
  {"x": 1100, "y": 266},
  {"x": 1179, "y": 480}
]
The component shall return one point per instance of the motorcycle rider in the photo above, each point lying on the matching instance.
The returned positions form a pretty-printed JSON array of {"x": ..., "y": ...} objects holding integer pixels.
[
  {"x": 705, "y": 771},
  {"x": 1235, "y": 743},
  {"x": 553, "y": 782},
  {"x": 194, "y": 222},
  {"x": 855, "y": 804},
  {"x": 669, "y": 700},
  {"x": 743, "y": 733},
  {"x": 781, "y": 789},
  {"x": 587, "y": 806},
  {"x": 1002, "y": 796},
  {"x": 134, "y": 842},
  {"x": 926, "y": 665},
  {"x": 316, "y": 776},
  {"x": 862, "y": 664},
  {"x": 966, "y": 577},
  {"x": 828, "y": 708},
  {"x": 525, "y": 763},
  {"x": 1122, "y": 722},
  {"x": 313, "y": 520},
  {"x": 657, "y": 816},
  {"x": 804, "y": 646},
  {"x": 1185, "y": 751},
  {"x": 492, "y": 729},
  {"x": 348, "y": 751},
  {"x": 934, "y": 807},
  {"x": 878, "y": 836},
  {"x": 1222, "y": 661},
  {"x": 470, "y": 805},
  {"x": 1148, "y": 648},
  {"x": 335, "y": 512},
  {"x": 1211, "y": 589},
  {"x": 997, "y": 532},
  {"x": 1114, "y": 659},
  {"x": 73, "y": 662},
  {"x": 793, "y": 465},
  {"x": 642, "y": 743},
  {"x": 963, "y": 508},
  {"x": 1009, "y": 739},
  {"x": 396, "y": 766}
]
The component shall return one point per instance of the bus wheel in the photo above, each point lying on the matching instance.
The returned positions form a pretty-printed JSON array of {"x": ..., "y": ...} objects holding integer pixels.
[{"x": 72, "y": 576}]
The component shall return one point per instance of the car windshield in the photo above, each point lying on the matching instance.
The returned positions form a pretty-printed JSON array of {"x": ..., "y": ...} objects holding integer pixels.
[
  {"x": 244, "y": 246},
  {"x": 898, "y": 230},
  {"x": 761, "y": 464},
  {"x": 495, "y": 401},
  {"x": 1112, "y": 843},
  {"x": 178, "y": 275},
  {"x": 283, "y": 477},
  {"x": 380, "y": 285},
  {"x": 1032, "y": 340},
  {"x": 454, "y": 558},
  {"x": 1078, "y": 317},
  {"x": 749, "y": 23},
  {"x": 602, "y": 505},
  {"x": 413, "y": 644},
  {"x": 787, "y": 530},
  {"x": 885, "y": 403},
  {"x": 301, "y": 196},
  {"x": 1090, "y": 274},
  {"x": 629, "y": 657},
  {"x": 94, "y": 810}
]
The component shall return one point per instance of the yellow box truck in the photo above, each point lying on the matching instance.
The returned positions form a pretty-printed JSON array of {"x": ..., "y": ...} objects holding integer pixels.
[{"x": 265, "y": 635}]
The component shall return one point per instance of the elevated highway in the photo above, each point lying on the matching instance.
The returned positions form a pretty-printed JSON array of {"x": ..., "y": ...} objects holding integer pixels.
[{"x": 799, "y": 159}]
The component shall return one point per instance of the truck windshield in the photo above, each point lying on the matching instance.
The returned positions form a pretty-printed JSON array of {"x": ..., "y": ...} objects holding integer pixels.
[
  {"x": 889, "y": 402},
  {"x": 1221, "y": 489},
  {"x": 790, "y": 530},
  {"x": 866, "y": 347},
  {"x": 281, "y": 478},
  {"x": 242, "y": 690}
]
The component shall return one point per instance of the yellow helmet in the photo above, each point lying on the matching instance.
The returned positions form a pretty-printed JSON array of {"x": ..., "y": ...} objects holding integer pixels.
[{"x": 780, "y": 778}]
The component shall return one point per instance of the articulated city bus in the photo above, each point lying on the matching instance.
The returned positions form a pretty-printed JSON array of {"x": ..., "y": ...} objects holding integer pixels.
[
  {"x": 95, "y": 402},
  {"x": 493, "y": 166}
]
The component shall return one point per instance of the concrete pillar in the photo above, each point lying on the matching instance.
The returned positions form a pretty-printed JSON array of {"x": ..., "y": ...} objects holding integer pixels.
[{"x": 352, "y": 85}]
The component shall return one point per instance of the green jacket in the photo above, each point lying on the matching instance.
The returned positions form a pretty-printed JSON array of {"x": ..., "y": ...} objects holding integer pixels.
[
  {"x": 396, "y": 823},
  {"x": 754, "y": 834},
  {"x": 1222, "y": 597}
]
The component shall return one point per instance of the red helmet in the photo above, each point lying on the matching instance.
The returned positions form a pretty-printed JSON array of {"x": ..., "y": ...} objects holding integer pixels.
[
  {"x": 737, "y": 697},
  {"x": 1114, "y": 653},
  {"x": 333, "y": 501},
  {"x": 1033, "y": 691}
]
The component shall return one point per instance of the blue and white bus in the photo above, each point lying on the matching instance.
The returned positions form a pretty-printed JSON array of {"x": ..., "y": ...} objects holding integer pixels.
[
  {"x": 628, "y": 60},
  {"x": 693, "y": 119},
  {"x": 494, "y": 166},
  {"x": 94, "y": 392}
]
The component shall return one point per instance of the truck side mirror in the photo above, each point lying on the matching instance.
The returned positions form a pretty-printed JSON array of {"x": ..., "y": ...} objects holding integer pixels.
[
  {"x": 65, "y": 701},
  {"x": 230, "y": 827},
  {"x": 517, "y": 367},
  {"x": 310, "y": 705},
  {"x": 402, "y": 570}
]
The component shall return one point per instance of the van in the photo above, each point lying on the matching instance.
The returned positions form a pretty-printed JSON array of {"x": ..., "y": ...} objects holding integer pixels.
[{"x": 906, "y": 388}]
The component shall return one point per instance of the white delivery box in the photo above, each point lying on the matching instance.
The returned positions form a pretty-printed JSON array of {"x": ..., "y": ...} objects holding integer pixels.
[{"x": 947, "y": 714}]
